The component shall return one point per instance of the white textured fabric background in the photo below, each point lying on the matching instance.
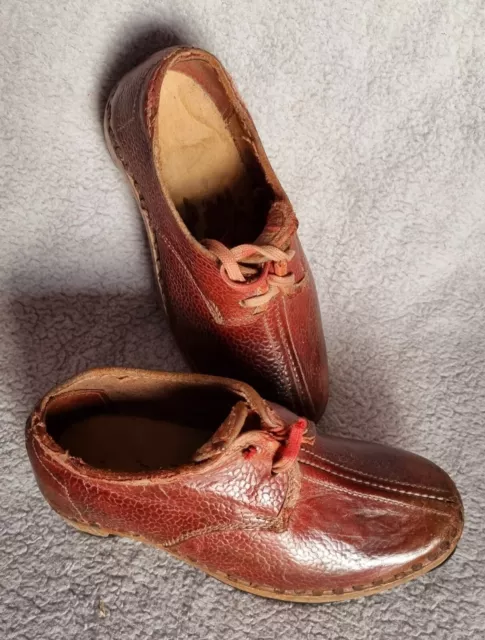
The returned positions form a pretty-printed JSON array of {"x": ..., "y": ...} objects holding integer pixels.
[{"x": 374, "y": 117}]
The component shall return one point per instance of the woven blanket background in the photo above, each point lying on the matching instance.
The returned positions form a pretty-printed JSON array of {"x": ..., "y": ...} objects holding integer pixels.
[{"x": 374, "y": 117}]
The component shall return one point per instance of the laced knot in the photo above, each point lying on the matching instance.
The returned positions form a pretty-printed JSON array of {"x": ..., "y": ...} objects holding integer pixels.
[
  {"x": 243, "y": 262},
  {"x": 291, "y": 438}
]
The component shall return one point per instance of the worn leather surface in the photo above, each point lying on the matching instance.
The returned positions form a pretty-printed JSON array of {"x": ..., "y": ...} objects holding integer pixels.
[
  {"x": 379, "y": 105},
  {"x": 346, "y": 515},
  {"x": 281, "y": 349}
]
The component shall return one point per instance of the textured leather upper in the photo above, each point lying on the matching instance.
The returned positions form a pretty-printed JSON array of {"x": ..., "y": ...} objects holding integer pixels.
[
  {"x": 345, "y": 515},
  {"x": 281, "y": 349}
]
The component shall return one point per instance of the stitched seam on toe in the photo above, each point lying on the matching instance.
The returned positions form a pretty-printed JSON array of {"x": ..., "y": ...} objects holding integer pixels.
[
  {"x": 373, "y": 477},
  {"x": 393, "y": 500},
  {"x": 383, "y": 487}
]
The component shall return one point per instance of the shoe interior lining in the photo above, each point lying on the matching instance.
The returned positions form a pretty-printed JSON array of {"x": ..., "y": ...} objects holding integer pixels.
[
  {"x": 137, "y": 434},
  {"x": 205, "y": 160}
]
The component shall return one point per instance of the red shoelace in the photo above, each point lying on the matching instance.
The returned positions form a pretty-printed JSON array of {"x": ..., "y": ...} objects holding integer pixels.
[{"x": 290, "y": 448}]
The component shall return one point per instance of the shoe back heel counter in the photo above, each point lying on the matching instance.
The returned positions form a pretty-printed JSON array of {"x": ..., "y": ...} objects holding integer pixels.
[{"x": 47, "y": 473}]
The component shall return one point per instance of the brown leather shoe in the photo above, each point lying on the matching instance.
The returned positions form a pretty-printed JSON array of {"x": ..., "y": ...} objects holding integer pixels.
[
  {"x": 237, "y": 288},
  {"x": 204, "y": 468}
]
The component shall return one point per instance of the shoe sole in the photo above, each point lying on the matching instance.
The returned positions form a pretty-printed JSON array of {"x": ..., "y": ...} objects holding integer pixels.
[{"x": 336, "y": 595}]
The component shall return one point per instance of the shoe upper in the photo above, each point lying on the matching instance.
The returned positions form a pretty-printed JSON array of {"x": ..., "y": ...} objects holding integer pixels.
[
  {"x": 264, "y": 500},
  {"x": 248, "y": 311}
]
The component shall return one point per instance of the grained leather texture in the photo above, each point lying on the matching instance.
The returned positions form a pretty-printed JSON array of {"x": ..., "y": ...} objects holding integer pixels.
[
  {"x": 345, "y": 517},
  {"x": 281, "y": 349}
]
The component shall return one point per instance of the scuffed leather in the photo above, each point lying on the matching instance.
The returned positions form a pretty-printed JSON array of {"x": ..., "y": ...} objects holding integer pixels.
[
  {"x": 348, "y": 514},
  {"x": 280, "y": 351}
]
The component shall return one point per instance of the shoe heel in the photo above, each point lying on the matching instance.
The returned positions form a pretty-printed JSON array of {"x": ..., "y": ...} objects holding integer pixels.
[{"x": 85, "y": 528}]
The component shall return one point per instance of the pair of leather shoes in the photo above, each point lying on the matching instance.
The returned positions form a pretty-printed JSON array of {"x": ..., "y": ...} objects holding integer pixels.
[{"x": 201, "y": 465}]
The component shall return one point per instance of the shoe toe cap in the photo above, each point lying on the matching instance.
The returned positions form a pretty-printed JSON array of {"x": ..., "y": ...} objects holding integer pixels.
[{"x": 387, "y": 514}]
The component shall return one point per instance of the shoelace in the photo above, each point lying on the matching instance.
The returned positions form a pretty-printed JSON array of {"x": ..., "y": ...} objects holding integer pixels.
[
  {"x": 289, "y": 450},
  {"x": 236, "y": 266}
]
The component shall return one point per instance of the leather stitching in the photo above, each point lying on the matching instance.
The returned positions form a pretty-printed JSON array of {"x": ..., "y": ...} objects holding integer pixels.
[
  {"x": 275, "y": 523},
  {"x": 215, "y": 528},
  {"x": 374, "y": 477},
  {"x": 429, "y": 559},
  {"x": 394, "y": 501},
  {"x": 57, "y": 481},
  {"x": 211, "y": 306},
  {"x": 294, "y": 355},
  {"x": 290, "y": 499},
  {"x": 286, "y": 350},
  {"x": 276, "y": 347},
  {"x": 382, "y": 487},
  {"x": 445, "y": 546}
]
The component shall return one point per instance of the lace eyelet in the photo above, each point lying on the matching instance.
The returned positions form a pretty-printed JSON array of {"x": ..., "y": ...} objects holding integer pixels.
[{"x": 250, "y": 451}]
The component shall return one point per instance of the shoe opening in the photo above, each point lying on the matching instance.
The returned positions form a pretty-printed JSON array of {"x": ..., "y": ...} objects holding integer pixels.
[
  {"x": 138, "y": 432},
  {"x": 205, "y": 158}
]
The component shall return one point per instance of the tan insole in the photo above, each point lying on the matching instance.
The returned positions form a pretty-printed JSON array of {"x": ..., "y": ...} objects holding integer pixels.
[
  {"x": 198, "y": 155},
  {"x": 131, "y": 443},
  {"x": 201, "y": 165}
]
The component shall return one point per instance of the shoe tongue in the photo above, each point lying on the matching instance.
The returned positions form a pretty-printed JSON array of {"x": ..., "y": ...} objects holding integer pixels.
[
  {"x": 281, "y": 224},
  {"x": 225, "y": 435}
]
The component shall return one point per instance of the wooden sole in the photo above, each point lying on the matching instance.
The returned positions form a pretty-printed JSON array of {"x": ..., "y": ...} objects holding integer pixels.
[{"x": 331, "y": 596}]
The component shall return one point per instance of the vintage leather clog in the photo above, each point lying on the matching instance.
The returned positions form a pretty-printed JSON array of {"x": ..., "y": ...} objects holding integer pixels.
[{"x": 246, "y": 490}]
